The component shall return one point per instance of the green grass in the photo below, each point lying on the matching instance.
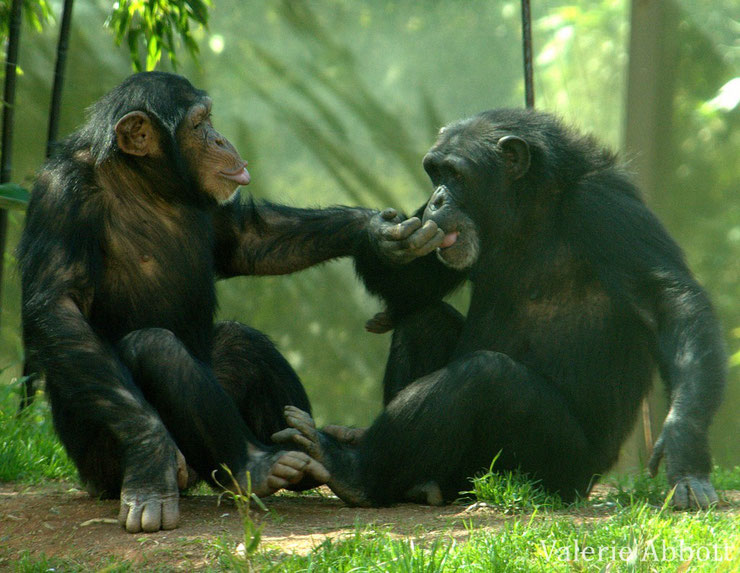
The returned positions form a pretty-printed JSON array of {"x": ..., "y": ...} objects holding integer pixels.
[
  {"x": 628, "y": 530},
  {"x": 637, "y": 538},
  {"x": 29, "y": 450},
  {"x": 511, "y": 491}
]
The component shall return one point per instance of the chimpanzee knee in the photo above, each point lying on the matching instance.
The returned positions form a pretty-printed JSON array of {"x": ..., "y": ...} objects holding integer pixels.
[{"x": 257, "y": 377}]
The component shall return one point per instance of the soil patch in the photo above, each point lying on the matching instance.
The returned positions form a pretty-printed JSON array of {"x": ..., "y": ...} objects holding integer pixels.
[{"x": 57, "y": 520}]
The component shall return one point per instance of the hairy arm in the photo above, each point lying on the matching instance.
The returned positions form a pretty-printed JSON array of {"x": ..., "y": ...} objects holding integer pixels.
[
  {"x": 393, "y": 255},
  {"x": 638, "y": 261},
  {"x": 268, "y": 239}
]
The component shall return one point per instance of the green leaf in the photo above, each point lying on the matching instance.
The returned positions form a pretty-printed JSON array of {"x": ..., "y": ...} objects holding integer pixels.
[{"x": 13, "y": 196}]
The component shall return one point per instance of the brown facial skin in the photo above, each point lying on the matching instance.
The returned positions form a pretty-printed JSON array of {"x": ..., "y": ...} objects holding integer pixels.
[{"x": 214, "y": 162}]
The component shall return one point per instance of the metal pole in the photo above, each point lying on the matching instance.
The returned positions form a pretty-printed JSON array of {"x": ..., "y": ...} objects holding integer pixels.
[
  {"x": 56, "y": 96},
  {"x": 527, "y": 46},
  {"x": 6, "y": 158}
]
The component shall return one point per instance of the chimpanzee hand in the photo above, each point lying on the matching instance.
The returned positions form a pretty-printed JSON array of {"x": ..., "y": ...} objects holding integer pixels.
[
  {"x": 400, "y": 242},
  {"x": 692, "y": 488}
]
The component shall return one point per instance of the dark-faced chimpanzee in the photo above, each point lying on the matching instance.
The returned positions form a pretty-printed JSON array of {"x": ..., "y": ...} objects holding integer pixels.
[
  {"x": 578, "y": 294},
  {"x": 128, "y": 225}
]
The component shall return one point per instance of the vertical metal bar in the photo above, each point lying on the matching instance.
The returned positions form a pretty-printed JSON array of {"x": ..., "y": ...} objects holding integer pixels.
[
  {"x": 56, "y": 96},
  {"x": 527, "y": 46},
  {"x": 6, "y": 153}
]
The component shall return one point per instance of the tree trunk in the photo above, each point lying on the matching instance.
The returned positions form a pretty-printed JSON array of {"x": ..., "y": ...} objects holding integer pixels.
[{"x": 651, "y": 78}]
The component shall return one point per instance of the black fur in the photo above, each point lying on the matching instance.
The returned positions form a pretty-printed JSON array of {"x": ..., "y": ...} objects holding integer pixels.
[
  {"x": 578, "y": 293},
  {"x": 118, "y": 259}
]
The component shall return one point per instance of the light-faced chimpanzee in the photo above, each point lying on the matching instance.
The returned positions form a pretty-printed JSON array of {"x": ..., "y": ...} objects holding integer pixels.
[
  {"x": 128, "y": 225},
  {"x": 578, "y": 293}
]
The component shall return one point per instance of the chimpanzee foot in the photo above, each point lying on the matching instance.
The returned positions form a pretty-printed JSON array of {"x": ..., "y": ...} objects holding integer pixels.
[
  {"x": 148, "y": 511},
  {"x": 693, "y": 492},
  {"x": 428, "y": 493},
  {"x": 303, "y": 433},
  {"x": 272, "y": 472},
  {"x": 307, "y": 436},
  {"x": 149, "y": 494},
  {"x": 186, "y": 476}
]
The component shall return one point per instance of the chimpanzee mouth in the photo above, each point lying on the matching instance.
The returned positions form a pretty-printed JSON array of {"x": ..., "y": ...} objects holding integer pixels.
[
  {"x": 459, "y": 250},
  {"x": 239, "y": 175},
  {"x": 449, "y": 239}
]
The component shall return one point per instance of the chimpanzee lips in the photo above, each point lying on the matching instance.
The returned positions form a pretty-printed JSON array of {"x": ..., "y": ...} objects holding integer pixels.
[
  {"x": 449, "y": 239},
  {"x": 239, "y": 175}
]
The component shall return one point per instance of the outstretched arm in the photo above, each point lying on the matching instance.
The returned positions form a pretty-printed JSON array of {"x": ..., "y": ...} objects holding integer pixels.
[
  {"x": 637, "y": 260},
  {"x": 394, "y": 256},
  {"x": 268, "y": 239}
]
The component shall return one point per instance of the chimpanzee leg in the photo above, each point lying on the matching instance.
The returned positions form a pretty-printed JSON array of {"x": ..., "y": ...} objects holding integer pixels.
[
  {"x": 448, "y": 426},
  {"x": 422, "y": 343},
  {"x": 260, "y": 382},
  {"x": 203, "y": 420},
  {"x": 91, "y": 447},
  {"x": 257, "y": 378}
]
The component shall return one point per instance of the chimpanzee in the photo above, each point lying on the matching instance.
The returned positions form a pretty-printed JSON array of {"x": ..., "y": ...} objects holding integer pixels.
[
  {"x": 578, "y": 293},
  {"x": 128, "y": 225}
]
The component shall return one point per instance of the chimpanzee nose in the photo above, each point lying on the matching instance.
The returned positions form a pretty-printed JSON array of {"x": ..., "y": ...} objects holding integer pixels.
[{"x": 437, "y": 199}]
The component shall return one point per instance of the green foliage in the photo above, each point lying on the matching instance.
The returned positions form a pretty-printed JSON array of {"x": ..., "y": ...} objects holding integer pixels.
[
  {"x": 13, "y": 196},
  {"x": 153, "y": 24},
  {"x": 726, "y": 478},
  {"x": 37, "y": 13},
  {"x": 735, "y": 358},
  {"x": 512, "y": 491},
  {"x": 29, "y": 449},
  {"x": 639, "y": 488},
  {"x": 252, "y": 533}
]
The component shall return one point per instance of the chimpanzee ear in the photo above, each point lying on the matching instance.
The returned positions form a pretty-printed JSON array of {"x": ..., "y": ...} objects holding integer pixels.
[
  {"x": 516, "y": 154},
  {"x": 135, "y": 134}
]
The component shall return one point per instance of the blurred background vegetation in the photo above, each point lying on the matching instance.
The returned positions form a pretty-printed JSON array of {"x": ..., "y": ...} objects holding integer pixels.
[{"x": 335, "y": 101}]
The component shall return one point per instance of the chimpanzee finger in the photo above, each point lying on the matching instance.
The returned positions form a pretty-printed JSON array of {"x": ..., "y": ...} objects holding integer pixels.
[
  {"x": 151, "y": 516},
  {"x": 182, "y": 471},
  {"x": 389, "y": 214},
  {"x": 402, "y": 230},
  {"x": 425, "y": 240},
  {"x": 123, "y": 515},
  {"x": 317, "y": 471},
  {"x": 287, "y": 472},
  {"x": 130, "y": 516},
  {"x": 656, "y": 457},
  {"x": 285, "y": 436},
  {"x": 170, "y": 513},
  {"x": 300, "y": 417}
]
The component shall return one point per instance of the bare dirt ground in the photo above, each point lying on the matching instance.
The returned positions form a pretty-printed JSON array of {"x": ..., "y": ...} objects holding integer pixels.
[{"x": 56, "y": 520}]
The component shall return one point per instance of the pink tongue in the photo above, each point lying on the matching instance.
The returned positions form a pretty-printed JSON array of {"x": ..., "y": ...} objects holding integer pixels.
[
  {"x": 241, "y": 177},
  {"x": 449, "y": 240}
]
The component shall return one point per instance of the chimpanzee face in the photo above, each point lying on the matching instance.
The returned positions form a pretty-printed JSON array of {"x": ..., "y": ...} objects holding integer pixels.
[
  {"x": 211, "y": 158},
  {"x": 473, "y": 169},
  {"x": 450, "y": 173}
]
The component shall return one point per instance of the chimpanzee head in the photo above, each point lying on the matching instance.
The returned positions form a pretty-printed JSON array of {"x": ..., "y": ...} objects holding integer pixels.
[
  {"x": 499, "y": 177},
  {"x": 159, "y": 121},
  {"x": 473, "y": 165}
]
